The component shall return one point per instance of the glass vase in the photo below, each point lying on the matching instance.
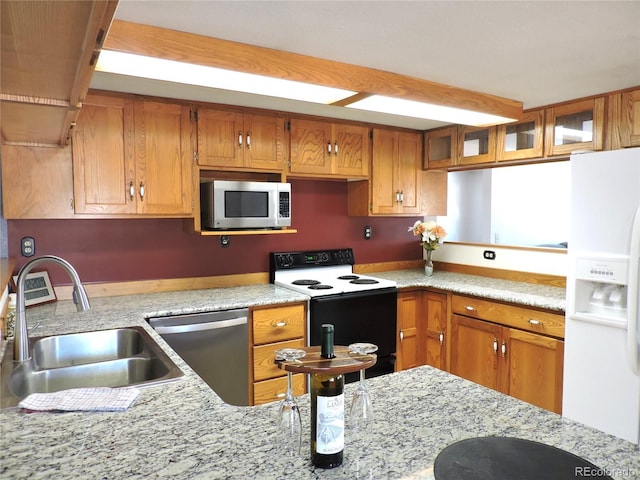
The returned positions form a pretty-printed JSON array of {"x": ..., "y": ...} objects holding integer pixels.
[{"x": 428, "y": 264}]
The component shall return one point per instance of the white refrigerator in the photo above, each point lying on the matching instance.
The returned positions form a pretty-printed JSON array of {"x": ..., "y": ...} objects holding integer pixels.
[{"x": 601, "y": 367}]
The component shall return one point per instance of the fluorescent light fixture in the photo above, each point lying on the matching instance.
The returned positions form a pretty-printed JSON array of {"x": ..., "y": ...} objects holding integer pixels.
[
  {"x": 429, "y": 111},
  {"x": 191, "y": 74}
]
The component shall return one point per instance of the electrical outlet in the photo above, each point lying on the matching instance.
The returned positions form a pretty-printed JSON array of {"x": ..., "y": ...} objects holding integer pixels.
[
  {"x": 28, "y": 246},
  {"x": 367, "y": 232},
  {"x": 489, "y": 255}
]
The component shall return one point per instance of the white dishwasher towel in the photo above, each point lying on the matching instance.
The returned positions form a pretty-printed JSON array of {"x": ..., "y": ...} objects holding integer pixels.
[{"x": 101, "y": 399}]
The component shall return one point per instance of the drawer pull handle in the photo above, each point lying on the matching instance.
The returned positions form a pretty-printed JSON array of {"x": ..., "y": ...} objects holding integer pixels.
[
  {"x": 280, "y": 324},
  {"x": 534, "y": 322},
  {"x": 280, "y": 395},
  {"x": 401, "y": 335},
  {"x": 469, "y": 308},
  {"x": 495, "y": 345},
  {"x": 504, "y": 349},
  {"x": 441, "y": 338}
]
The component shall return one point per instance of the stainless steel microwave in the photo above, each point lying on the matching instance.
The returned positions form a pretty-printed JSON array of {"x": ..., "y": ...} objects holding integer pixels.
[{"x": 229, "y": 205}]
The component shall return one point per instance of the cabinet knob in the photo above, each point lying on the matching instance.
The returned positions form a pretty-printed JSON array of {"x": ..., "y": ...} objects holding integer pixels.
[
  {"x": 401, "y": 335},
  {"x": 495, "y": 345},
  {"x": 132, "y": 191},
  {"x": 329, "y": 148},
  {"x": 441, "y": 338},
  {"x": 248, "y": 139},
  {"x": 141, "y": 190},
  {"x": 240, "y": 139},
  {"x": 335, "y": 149},
  {"x": 504, "y": 348}
]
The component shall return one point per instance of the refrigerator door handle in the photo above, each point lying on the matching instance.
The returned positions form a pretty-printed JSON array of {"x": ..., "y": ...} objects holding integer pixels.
[{"x": 632, "y": 296}]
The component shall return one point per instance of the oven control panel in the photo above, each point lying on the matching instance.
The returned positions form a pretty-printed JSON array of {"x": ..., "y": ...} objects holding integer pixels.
[{"x": 288, "y": 260}]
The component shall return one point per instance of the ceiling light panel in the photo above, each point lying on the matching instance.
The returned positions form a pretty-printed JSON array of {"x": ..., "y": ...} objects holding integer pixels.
[{"x": 192, "y": 74}]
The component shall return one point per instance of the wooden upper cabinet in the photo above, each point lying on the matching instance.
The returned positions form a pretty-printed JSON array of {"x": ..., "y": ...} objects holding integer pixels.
[
  {"x": 234, "y": 140},
  {"x": 575, "y": 126},
  {"x": 324, "y": 149},
  {"x": 522, "y": 139},
  {"x": 476, "y": 145},
  {"x": 132, "y": 157},
  {"x": 164, "y": 158},
  {"x": 103, "y": 153},
  {"x": 396, "y": 173},
  {"x": 441, "y": 148},
  {"x": 628, "y": 119}
]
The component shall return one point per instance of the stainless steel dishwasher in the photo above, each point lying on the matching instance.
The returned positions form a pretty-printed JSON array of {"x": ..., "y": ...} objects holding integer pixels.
[{"x": 215, "y": 345}]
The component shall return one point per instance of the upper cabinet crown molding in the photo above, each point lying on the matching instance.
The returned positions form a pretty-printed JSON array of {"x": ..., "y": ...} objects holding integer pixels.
[{"x": 49, "y": 49}]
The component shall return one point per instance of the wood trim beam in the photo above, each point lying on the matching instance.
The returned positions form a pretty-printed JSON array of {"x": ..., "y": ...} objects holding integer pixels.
[{"x": 187, "y": 47}]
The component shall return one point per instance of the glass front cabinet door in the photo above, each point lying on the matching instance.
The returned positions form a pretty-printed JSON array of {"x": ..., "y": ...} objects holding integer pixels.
[
  {"x": 521, "y": 140},
  {"x": 476, "y": 145},
  {"x": 574, "y": 126},
  {"x": 440, "y": 148}
]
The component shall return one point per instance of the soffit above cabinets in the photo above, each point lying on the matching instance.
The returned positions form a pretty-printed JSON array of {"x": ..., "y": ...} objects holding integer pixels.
[{"x": 48, "y": 51}]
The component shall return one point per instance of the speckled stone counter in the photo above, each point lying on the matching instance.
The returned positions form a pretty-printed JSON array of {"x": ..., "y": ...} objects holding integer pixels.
[
  {"x": 183, "y": 430},
  {"x": 528, "y": 294}
]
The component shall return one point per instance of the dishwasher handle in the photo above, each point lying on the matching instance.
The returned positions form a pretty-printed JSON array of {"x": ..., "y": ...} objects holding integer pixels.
[{"x": 196, "y": 327}]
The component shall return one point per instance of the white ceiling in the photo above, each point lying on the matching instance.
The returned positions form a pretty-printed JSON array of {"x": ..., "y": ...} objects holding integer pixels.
[{"x": 537, "y": 52}]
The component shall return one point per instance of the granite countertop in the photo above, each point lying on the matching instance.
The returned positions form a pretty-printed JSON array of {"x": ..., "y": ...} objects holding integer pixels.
[{"x": 183, "y": 430}]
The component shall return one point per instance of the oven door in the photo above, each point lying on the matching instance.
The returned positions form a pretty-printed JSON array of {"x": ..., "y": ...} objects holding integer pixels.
[{"x": 369, "y": 316}]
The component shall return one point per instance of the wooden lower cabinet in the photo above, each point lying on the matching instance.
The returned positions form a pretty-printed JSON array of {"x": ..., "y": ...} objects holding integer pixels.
[
  {"x": 422, "y": 326},
  {"x": 523, "y": 364},
  {"x": 272, "y": 328}
]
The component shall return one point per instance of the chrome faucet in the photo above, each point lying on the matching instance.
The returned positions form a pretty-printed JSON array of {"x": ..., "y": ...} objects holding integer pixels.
[{"x": 21, "y": 351}]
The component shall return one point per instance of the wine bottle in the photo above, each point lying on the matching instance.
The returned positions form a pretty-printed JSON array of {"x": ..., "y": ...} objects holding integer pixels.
[{"x": 327, "y": 411}]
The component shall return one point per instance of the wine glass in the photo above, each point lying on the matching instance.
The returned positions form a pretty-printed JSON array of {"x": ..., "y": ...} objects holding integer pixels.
[
  {"x": 361, "y": 412},
  {"x": 289, "y": 421}
]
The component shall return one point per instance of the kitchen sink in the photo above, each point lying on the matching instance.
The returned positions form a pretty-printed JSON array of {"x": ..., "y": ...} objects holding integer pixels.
[
  {"x": 89, "y": 347},
  {"x": 105, "y": 358}
]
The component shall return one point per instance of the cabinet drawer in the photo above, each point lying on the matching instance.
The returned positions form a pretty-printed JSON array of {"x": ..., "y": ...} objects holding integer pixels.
[
  {"x": 274, "y": 389},
  {"x": 277, "y": 324},
  {"x": 263, "y": 359},
  {"x": 545, "y": 323}
]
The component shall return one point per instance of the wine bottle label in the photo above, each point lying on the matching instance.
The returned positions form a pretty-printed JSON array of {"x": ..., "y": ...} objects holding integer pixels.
[{"x": 330, "y": 424}]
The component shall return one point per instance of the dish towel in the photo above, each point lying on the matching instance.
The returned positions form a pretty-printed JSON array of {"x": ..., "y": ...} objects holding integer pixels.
[{"x": 101, "y": 399}]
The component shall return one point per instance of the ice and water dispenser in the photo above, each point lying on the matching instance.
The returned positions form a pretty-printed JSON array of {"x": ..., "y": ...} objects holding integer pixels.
[{"x": 601, "y": 289}]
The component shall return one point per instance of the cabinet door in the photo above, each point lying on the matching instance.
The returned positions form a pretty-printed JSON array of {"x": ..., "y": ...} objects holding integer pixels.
[
  {"x": 311, "y": 147},
  {"x": 523, "y": 139},
  {"x": 409, "y": 172},
  {"x": 474, "y": 351},
  {"x": 535, "y": 369},
  {"x": 441, "y": 147},
  {"x": 476, "y": 145},
  {"x": 630, "y": 119},
  {"x": 574, "y": 126},
  {"x": 263, "y": 142},
  {"x": 384, "y": 192},
  {"x": 220, "y": 138},
  {"x": 351, "y": 150},
  {"x": 164, "y": 156},
  {"x": 103, "y": 157},
  {"x": 436, "y": 329},
  {"x": 409, "y": 351}
]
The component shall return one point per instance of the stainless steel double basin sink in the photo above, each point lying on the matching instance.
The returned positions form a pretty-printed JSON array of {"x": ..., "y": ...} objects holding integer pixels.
[{"x": 104, "y": 358}]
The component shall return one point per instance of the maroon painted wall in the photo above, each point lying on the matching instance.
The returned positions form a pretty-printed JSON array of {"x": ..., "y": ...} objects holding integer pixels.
[{"x": 142, "y": 249}]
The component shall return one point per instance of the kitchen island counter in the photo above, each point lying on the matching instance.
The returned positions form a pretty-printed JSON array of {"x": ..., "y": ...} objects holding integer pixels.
[{"x": 183, "y": 430}]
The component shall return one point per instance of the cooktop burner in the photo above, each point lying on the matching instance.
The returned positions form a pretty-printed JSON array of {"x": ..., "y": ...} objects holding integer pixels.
[
  {"x": 305, "y": 282},
  {"x": 364, "y": 281},
  {"x": 320, "y": 287},
  {"x": 348, "y": 277}
]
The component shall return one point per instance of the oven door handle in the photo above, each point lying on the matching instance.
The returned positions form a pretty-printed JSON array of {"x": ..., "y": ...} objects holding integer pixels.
[{"x": 197, "y": 327}]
